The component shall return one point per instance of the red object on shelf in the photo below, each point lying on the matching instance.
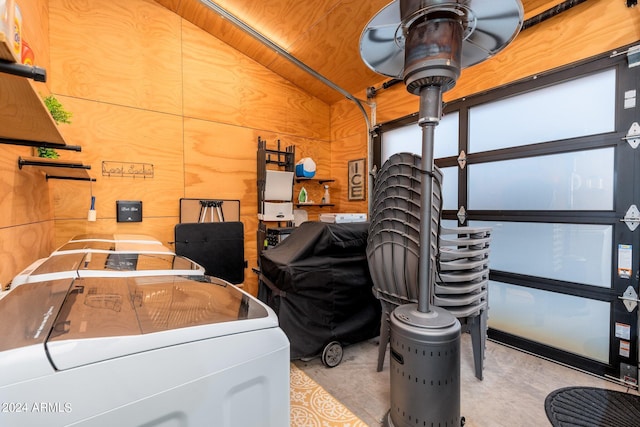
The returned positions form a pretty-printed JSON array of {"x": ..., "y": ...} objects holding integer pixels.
[{"x": 28, "y": 57}]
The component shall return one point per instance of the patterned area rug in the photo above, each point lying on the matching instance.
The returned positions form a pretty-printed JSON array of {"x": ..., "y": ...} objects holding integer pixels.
[
  {"x": 312, "y": 406},
  {"x": 592, "y": 407}
]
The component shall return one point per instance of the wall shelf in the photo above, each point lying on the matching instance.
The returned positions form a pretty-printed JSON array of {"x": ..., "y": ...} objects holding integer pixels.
[
  {"x": 24, "y": 118},
  {"x": 43, "y": 144},
  {"x": 5, "y": 48},
  {"x": 57, "y": 169},
  {"x": 318, "y": 180}
]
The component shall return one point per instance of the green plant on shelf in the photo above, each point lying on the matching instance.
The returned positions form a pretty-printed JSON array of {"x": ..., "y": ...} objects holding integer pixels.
[
  {"x": 49, "y": 153},
  {"x": 60, "y": 115}
]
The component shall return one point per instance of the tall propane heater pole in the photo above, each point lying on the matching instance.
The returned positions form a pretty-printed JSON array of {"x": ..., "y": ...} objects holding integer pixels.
[
  {"x": 429, "y": 96},
  {"x": 427, "y": 43}
]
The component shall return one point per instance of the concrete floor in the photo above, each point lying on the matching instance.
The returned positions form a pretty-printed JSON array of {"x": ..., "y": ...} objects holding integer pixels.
[{"x": 511, "y": 394}]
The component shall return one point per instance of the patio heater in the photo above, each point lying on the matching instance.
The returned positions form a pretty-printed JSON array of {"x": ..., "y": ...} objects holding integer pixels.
[{"x": 426, "y": 43}]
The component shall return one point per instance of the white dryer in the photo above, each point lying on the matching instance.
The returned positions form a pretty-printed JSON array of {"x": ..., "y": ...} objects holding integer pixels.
[{"x": 141, "y": 350}]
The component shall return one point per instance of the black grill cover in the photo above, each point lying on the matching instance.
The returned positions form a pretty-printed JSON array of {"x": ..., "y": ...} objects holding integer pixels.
[{"x": 317, "y": 281}]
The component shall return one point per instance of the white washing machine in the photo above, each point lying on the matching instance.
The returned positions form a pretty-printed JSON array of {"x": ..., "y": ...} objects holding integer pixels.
[
  {"x": 141, "y": 351},
  {"x": 108, "y": 255},
  {"x": 111, "y": 246},
  {"x": 105, "y": 237},
  {"x": 106, "y": 264}
]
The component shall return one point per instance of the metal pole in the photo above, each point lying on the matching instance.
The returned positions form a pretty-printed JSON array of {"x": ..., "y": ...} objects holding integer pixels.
[
  {"x": 430, "y": 113},
  {"x": 38, "y": 74}
]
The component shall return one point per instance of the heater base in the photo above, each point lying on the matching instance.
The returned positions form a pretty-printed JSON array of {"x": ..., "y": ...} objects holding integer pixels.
[
  {"x": 387, "y": 422},
  {"x": 424, "y": 367}
]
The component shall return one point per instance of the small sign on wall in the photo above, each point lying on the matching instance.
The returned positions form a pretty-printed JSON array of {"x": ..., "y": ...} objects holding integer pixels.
[
  {"x": 357, "y": 179},
  {"x": 129, "y": 210}
]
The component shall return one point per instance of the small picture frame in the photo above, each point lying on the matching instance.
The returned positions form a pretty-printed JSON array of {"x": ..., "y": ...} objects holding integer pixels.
[{"x": 357, "y": 179}]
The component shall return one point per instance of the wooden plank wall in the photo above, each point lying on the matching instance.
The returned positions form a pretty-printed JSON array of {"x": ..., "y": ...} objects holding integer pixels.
[
  {"x": 586, "y": 30},
  {"x": 145, "y": 86},
  {"x": 26, "y": 220}
]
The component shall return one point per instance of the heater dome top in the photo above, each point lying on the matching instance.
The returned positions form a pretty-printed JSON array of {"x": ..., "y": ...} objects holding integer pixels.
[{"x": 489, "y": 26}]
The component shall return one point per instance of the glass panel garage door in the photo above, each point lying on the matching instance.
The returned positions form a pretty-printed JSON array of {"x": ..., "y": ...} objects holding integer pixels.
[{"x": 546, "y": 166}]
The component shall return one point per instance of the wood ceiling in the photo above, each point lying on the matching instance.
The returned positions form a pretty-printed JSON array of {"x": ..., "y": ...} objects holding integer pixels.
[{"x": 323, "y": 34}]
